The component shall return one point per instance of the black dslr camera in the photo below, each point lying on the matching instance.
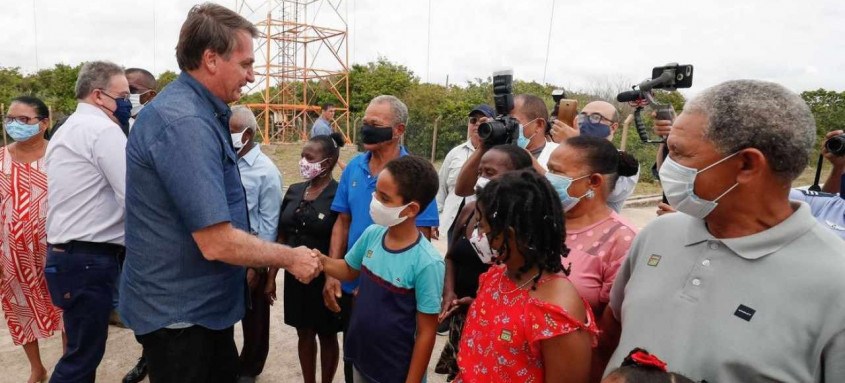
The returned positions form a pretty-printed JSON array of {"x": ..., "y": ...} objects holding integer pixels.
[
  {"x": 669, "y": 77},
  {"x": 503, "y": 128},
  {"x": 836, "y": 145}
]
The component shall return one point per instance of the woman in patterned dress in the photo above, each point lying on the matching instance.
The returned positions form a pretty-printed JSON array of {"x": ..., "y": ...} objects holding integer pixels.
[
  {"x": 527, "y": 324},
  {"x": 30, "y": 314}
]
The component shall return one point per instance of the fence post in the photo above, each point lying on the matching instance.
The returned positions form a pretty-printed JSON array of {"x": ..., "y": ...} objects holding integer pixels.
[
  {"x": 355, "y": 130},
  {"x": 434, "y": 138},
  {"x": 625, "y": 126}
]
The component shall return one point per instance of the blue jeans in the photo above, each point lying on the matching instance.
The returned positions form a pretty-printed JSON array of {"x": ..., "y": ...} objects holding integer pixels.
[{"x": 81, "y": 279}]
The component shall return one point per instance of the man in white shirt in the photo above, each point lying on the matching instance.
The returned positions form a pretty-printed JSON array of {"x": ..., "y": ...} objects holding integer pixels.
[
  {"x": 86, "y": 179},
  {"x": 449, "y": 203}
]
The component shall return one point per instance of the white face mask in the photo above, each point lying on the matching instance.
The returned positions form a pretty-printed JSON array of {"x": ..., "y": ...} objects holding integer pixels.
[
  {"x": 135, "y": 99},
  {"x": 481, "y": 183},
  {"x": 238, "y": 141},
  {"x": 481, "y": 245},
  {"x": 678, "y": 182},
  {"x": 385, "y": 215}
]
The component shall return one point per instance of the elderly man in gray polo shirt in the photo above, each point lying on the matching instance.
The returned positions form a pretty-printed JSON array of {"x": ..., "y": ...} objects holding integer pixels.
[{"x": 746, "y": 286}]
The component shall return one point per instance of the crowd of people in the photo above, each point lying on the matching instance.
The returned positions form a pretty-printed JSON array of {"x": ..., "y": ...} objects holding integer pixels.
[{"x": 163, "y": 207}]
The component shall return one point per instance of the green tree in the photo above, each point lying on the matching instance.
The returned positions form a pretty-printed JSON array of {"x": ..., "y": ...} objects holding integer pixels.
[
  {"x": 376, "y": 78},
  {"x": 828, "y": 108},
  {"x": 10, "y": 84},
  {"x": 165, "y": 78}
]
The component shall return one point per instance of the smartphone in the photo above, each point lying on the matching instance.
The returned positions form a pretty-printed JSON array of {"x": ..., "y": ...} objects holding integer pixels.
[
  {"x": 567, "y": 110},
  {"x": 682, "y": 74}
]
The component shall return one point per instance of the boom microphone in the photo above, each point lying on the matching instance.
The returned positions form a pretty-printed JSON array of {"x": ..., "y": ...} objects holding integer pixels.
[{"x": 629, "y": 96}]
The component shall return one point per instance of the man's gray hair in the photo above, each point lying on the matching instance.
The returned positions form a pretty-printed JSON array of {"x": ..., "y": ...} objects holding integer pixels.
[
  {"x": 397, "y": 108},
  {"x": 95, "y": 75},
  {"x": 243, "y": 117},
  {"x": 762, "y": 115}
]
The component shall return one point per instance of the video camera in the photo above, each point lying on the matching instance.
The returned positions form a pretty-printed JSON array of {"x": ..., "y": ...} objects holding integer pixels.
[
  {"x": 502, "y": 129},
  {"x": 669, "y": 77}
]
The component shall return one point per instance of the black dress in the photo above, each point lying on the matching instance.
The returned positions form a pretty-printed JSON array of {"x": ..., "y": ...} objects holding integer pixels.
[{"x": 309, "y": 224}]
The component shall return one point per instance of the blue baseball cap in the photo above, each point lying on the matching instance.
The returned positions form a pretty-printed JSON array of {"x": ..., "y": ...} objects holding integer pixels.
[{"x": 484, "y": 109}]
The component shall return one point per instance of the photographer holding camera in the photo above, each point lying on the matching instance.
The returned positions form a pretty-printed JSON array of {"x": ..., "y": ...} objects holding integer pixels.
[
  {"x": 834, "y": 151},
  {"x": 529, "y": 114}
]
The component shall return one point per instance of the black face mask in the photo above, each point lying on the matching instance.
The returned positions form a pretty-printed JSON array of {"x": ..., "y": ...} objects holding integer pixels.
[{"x": 376, "y": 135}]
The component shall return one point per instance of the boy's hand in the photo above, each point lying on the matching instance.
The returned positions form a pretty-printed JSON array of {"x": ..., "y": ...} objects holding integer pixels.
[
  {"x": 331, "y": 293},
  {"x": 306, "y": 264}
]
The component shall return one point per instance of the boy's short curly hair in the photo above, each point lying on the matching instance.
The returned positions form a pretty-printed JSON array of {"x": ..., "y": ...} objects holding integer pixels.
[{"x": 415, "y": 178}]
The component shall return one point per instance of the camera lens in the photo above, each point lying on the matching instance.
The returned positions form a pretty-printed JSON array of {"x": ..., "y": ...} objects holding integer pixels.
[{"x": 836, "y": 145}]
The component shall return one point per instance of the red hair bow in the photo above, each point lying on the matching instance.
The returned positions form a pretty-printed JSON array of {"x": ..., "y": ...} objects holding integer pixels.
[{"x": 646, "y": 359}]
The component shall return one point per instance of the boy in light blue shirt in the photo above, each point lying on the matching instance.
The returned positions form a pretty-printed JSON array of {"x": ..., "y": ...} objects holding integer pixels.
[{"x": 393, "y": 326}]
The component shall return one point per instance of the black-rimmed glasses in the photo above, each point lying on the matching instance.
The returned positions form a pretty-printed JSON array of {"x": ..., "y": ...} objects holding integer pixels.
[
  {"x": 22, "y": 119},
  {"x": 594, "y": 118}
]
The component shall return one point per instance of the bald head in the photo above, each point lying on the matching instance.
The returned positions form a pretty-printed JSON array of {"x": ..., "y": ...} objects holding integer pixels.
[{"x": 606, "y": 109}]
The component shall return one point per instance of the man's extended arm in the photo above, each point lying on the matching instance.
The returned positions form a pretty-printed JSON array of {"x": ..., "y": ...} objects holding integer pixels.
[{"x": 222, "y": 242}]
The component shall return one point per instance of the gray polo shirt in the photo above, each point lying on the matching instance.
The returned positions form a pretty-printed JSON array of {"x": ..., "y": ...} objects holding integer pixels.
[{"x": 765, "y": 307}]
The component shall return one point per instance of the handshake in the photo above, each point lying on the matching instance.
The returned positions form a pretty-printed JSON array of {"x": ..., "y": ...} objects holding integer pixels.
[{"x": 305, "y": 264}]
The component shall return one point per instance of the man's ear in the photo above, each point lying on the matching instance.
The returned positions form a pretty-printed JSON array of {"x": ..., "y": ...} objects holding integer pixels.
[
  {"x": 148, "y": 96},
  {"x": 400, "y": 129},
  {"x": 210, "y": 60},
  {"x": 754, "y": 165},
  {"x": 249, "y": 134}
]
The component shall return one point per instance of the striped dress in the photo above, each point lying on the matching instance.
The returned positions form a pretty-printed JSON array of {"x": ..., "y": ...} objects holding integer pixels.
[{"x": 26, "y": 303}]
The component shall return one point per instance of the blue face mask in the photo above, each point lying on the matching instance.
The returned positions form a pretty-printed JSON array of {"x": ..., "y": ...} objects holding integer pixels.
[
  {"x": 521, "y": 140},
  {"x": 123, "y": 111},
  {"x": 22, "y": 132},
  {"x": 591, "y": 129},
  {"x": 561, "y": 185}
]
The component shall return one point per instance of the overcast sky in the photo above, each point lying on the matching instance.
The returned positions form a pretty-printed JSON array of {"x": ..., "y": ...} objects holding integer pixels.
[{"x": 800, "y": 44}]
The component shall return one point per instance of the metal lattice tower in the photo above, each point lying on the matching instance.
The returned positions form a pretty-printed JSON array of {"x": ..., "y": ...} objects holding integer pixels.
[{"x": 295, "y": 61}]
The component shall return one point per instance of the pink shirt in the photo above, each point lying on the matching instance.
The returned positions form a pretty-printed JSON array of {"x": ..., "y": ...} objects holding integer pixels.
[{"x": 596, "y": 253}]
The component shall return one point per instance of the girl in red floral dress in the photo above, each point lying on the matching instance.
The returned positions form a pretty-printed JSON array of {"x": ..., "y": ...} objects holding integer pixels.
[{"x": 528, "y": 323}]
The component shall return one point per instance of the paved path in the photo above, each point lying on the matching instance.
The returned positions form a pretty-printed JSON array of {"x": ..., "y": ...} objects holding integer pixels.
[{"x": 282, "y": 364}]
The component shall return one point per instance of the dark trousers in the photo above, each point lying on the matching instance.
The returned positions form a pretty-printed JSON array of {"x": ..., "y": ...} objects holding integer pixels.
[
  {"x": 256, "y": 326},
  {"x": 81, "y": 279},
  {"x": 346, "y": 304},
  {"x": 193, "y": 354}
]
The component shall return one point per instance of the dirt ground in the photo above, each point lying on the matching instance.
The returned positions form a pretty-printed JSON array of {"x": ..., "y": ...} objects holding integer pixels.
[{"x": 282, "y": 363}]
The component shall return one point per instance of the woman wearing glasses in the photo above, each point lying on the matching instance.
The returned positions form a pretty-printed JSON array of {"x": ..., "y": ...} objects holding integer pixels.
[{"x": 30, "y": 314}]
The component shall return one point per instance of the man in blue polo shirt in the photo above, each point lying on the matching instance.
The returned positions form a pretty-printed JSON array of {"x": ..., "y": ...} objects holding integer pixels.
[
  {"x": 384, "y": 125},
  {"x": 187, "y": 240}
]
